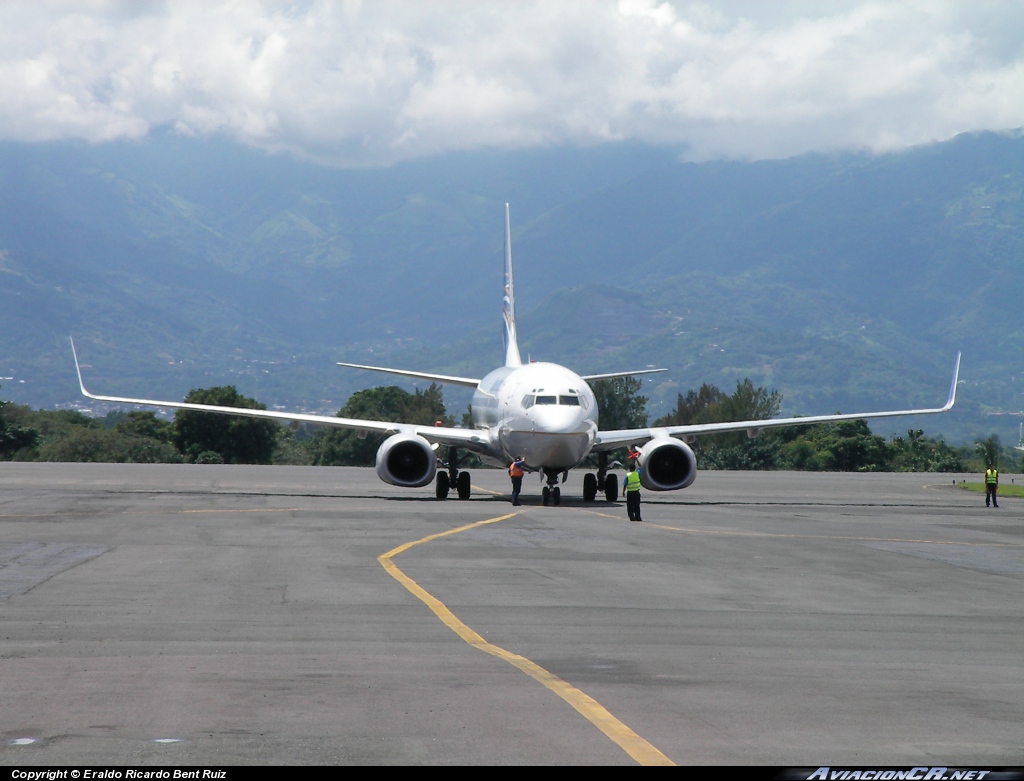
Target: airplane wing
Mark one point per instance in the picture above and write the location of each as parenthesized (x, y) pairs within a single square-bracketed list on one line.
[(444, 435), (608, 440), (613, 375), (468, 382)]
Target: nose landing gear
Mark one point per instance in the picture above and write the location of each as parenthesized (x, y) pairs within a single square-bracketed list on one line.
[(551, 493), (452, 479)]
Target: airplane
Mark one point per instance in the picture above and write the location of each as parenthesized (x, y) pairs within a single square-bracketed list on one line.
[(540, 411)]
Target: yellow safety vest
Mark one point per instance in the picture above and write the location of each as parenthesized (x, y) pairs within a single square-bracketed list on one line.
[(991, 476), (632, 482)]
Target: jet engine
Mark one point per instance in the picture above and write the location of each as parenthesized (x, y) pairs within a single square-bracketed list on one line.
[(406, 460), (666, 464)]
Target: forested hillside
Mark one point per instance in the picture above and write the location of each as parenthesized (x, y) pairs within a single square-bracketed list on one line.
[(845, 282)]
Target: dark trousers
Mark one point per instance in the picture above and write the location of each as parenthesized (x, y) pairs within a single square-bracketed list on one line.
[(517, 486), (633, 505), (990, 493)]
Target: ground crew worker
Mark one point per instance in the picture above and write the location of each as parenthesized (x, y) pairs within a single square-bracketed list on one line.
[(515, 472), (631, 487), (991, 485)]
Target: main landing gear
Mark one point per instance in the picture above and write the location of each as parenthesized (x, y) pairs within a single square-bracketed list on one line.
[(602, 481), (452, 479)]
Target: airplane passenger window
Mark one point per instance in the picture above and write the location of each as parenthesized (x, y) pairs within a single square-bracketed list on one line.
[(572, 401), (547, 399)]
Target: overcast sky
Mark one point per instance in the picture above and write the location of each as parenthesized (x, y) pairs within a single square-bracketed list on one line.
[(371, 83)]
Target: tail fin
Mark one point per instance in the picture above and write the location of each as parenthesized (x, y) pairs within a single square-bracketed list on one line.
[(509, 302)]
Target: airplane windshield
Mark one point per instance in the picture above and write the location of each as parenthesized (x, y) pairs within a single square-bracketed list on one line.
[(568, 401)]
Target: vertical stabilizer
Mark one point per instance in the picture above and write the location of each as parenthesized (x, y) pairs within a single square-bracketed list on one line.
[(509, 302)]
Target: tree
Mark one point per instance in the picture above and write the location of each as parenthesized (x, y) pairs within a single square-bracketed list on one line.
[(692, 407), (847, 446), (855, 449), (337, 447), (989, 449), (145, 424), (87, 444), (918, 453), (735, 450), (238, 440), (619, 403), (14, 437)]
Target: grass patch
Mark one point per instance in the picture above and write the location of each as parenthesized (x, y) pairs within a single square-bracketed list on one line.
[(1004, 490)]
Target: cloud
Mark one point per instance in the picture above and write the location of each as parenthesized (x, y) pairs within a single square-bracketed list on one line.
[(371, 83)]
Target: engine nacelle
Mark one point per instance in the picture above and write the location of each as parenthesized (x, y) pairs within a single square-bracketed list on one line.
[(667, 464), (407, 460)]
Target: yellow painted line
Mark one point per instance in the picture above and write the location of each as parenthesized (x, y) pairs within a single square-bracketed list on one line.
[(489, 491), (638, 748), (602, 515)]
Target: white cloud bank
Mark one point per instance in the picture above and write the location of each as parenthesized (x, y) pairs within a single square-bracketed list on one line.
[(353, 83)]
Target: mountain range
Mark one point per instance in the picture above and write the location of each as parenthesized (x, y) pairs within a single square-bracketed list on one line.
[(847, 282)]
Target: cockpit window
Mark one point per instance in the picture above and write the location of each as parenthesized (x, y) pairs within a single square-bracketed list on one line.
[(566, 400)]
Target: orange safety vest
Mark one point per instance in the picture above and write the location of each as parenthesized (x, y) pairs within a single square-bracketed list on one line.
[(514, 470)]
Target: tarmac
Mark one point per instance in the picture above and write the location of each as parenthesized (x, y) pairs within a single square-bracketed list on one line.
[(232, 615)]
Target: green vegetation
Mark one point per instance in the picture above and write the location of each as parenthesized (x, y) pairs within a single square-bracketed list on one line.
[(14, 437), (988, 450), (344, 447), (210, 437), (735, 450), (64, 435), (1004, 490), (619, 406), (848, 446), (197, 437), (619, 403)]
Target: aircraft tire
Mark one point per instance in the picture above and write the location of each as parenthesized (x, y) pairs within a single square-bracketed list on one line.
[(545, 495), (611, 488), (442, 486), (556, 496), (463, 485), (589, 487)]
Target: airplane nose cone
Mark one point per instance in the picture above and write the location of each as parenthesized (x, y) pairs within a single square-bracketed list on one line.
[(558, 436), (559, 419)]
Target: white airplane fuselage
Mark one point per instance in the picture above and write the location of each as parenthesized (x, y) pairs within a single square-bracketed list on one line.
[(540, 411)]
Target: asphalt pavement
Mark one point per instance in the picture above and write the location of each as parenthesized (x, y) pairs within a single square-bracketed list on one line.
[(200, 615)]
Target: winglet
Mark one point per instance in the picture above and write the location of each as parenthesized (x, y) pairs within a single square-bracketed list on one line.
[(78, 369), (952, 385), (512, 357)]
